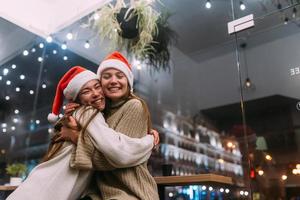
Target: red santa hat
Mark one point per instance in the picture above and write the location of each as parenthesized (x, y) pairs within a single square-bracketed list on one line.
[(117, 61), (69, 87)]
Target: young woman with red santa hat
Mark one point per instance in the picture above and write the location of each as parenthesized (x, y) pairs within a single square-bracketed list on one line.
[(55, 178), (128, 114)]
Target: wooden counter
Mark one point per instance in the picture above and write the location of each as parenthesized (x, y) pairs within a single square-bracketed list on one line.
[(7, 188), (199, 179)]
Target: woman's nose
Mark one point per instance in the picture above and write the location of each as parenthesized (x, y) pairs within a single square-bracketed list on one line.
[(96, 93), (113, 79)]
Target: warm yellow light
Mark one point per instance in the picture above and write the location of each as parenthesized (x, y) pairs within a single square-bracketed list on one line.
[(295, 171), (229, 144), (298, 166), (284, 177), (268, 157), (221, 160), (261, 172)]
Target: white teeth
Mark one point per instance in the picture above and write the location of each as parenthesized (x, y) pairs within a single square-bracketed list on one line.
[(98, 101)]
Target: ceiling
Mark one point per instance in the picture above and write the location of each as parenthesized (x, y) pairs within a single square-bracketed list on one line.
[(45, 18), (199, 30)]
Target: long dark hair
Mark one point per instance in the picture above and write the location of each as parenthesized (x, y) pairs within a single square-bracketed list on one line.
[(54, 147)]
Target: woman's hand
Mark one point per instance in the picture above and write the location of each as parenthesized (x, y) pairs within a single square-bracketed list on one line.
[(156, 137), (71, 123), (69, 131), (70, 108), (67, 134)]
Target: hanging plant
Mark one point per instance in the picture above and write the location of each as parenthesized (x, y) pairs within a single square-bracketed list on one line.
[(138, 29), (158, 55)]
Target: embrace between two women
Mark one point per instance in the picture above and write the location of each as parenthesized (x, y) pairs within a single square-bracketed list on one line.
[(90, 158)]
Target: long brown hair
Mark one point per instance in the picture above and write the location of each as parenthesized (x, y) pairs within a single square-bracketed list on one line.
[(54, 147), (146, 109)]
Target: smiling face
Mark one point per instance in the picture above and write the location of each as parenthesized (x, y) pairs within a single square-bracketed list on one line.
[(91, 94), (114, 84)]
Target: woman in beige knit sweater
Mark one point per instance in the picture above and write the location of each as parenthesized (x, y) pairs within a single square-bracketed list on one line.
[(128, 114)]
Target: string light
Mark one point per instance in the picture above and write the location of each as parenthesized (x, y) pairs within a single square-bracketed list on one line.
[(4, 130), (22, 77), (284, 177), (16, 111), (65, 58), (294, 12), (7, 98), (37, 121), (25, 53), (13, 66), (5, 71), (64, 46), (44, 85), (96, 16), (15, 120), (49, 39), (0, 78), (41, 45), (33, 50), (242, 6), (208, 4), (18, 89), (3, 125), (268, 157), (8, 82), (13, 128), (222, 190), (69, 36), (227, 190), (40, 59), (31, 92), (286, 20), (87, 44), (54, 51)]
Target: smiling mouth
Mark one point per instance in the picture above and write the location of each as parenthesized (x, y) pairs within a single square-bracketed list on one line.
[(113, 89), (98, 101)]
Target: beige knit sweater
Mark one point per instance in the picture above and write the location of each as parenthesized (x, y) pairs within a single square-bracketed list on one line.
[(134, 183)]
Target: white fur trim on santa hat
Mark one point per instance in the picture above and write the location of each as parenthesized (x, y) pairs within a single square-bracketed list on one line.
[(117, 64), (75, 85), (52, 118)]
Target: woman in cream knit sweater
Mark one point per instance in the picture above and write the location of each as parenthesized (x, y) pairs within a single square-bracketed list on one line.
[(128, 114)]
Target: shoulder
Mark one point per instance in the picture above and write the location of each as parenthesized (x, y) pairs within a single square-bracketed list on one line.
[(133, 104), (84, 112)]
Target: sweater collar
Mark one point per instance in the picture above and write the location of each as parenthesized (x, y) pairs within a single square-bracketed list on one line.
[(117, 104)]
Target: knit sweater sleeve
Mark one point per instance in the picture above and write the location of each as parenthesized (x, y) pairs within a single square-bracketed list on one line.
[(119, 149)]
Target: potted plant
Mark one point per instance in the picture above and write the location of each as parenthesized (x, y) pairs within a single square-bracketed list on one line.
[(138, 29), (16, 171)]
